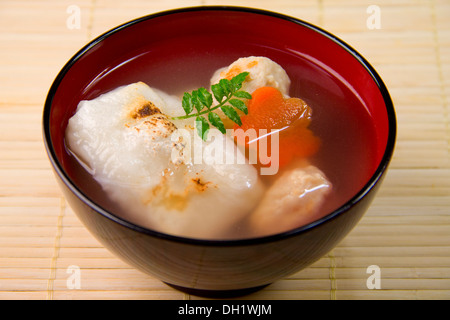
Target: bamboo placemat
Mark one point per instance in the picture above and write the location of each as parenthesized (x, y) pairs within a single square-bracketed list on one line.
[(405, 233)]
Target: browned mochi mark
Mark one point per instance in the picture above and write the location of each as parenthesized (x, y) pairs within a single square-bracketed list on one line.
[(176, 200), (148, 116), (147, 108), (200, 185)]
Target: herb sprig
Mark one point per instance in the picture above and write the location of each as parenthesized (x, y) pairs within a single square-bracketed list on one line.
[(228, 95)]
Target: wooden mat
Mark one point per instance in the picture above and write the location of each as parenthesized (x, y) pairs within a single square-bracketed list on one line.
[(406, 232)]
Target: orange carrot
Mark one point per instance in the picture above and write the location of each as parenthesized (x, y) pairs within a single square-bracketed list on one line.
[(268, 109)]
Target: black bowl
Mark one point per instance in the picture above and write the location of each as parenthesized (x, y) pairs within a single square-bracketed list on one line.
[(210, 267)]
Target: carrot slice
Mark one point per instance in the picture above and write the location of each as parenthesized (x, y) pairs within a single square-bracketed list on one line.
[(268, 109)]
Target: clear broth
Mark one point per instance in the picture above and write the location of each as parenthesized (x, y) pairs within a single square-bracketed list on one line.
[(347, 155)]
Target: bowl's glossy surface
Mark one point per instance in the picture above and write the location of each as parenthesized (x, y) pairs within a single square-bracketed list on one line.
[(122, 56)]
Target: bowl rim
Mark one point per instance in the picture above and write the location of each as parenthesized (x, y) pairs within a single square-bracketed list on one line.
[(375, 177)]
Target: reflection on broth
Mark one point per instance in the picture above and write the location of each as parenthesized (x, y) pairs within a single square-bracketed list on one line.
[(275, 163)]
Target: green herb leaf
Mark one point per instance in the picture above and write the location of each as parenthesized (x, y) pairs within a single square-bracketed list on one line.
[(239, 104), (232, 114), (204, 97), (226, 86), (186, 103), (202, 127), (242, 94), (196, 101), (236, 81), (218, 92), (223, 92), (216, 121)]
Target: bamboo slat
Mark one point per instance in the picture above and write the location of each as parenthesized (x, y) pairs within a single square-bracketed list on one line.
[(406, 231)]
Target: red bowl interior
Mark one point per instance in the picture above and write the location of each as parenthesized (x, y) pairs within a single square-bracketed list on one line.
[(149, 48)]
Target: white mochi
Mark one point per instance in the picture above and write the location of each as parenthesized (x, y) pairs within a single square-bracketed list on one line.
[(125, 138)]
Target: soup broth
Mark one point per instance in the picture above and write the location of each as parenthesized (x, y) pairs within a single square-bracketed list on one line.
[(340, 119)]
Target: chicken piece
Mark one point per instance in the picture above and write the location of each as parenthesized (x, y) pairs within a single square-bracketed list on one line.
[(293, 200), (263, 73)]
